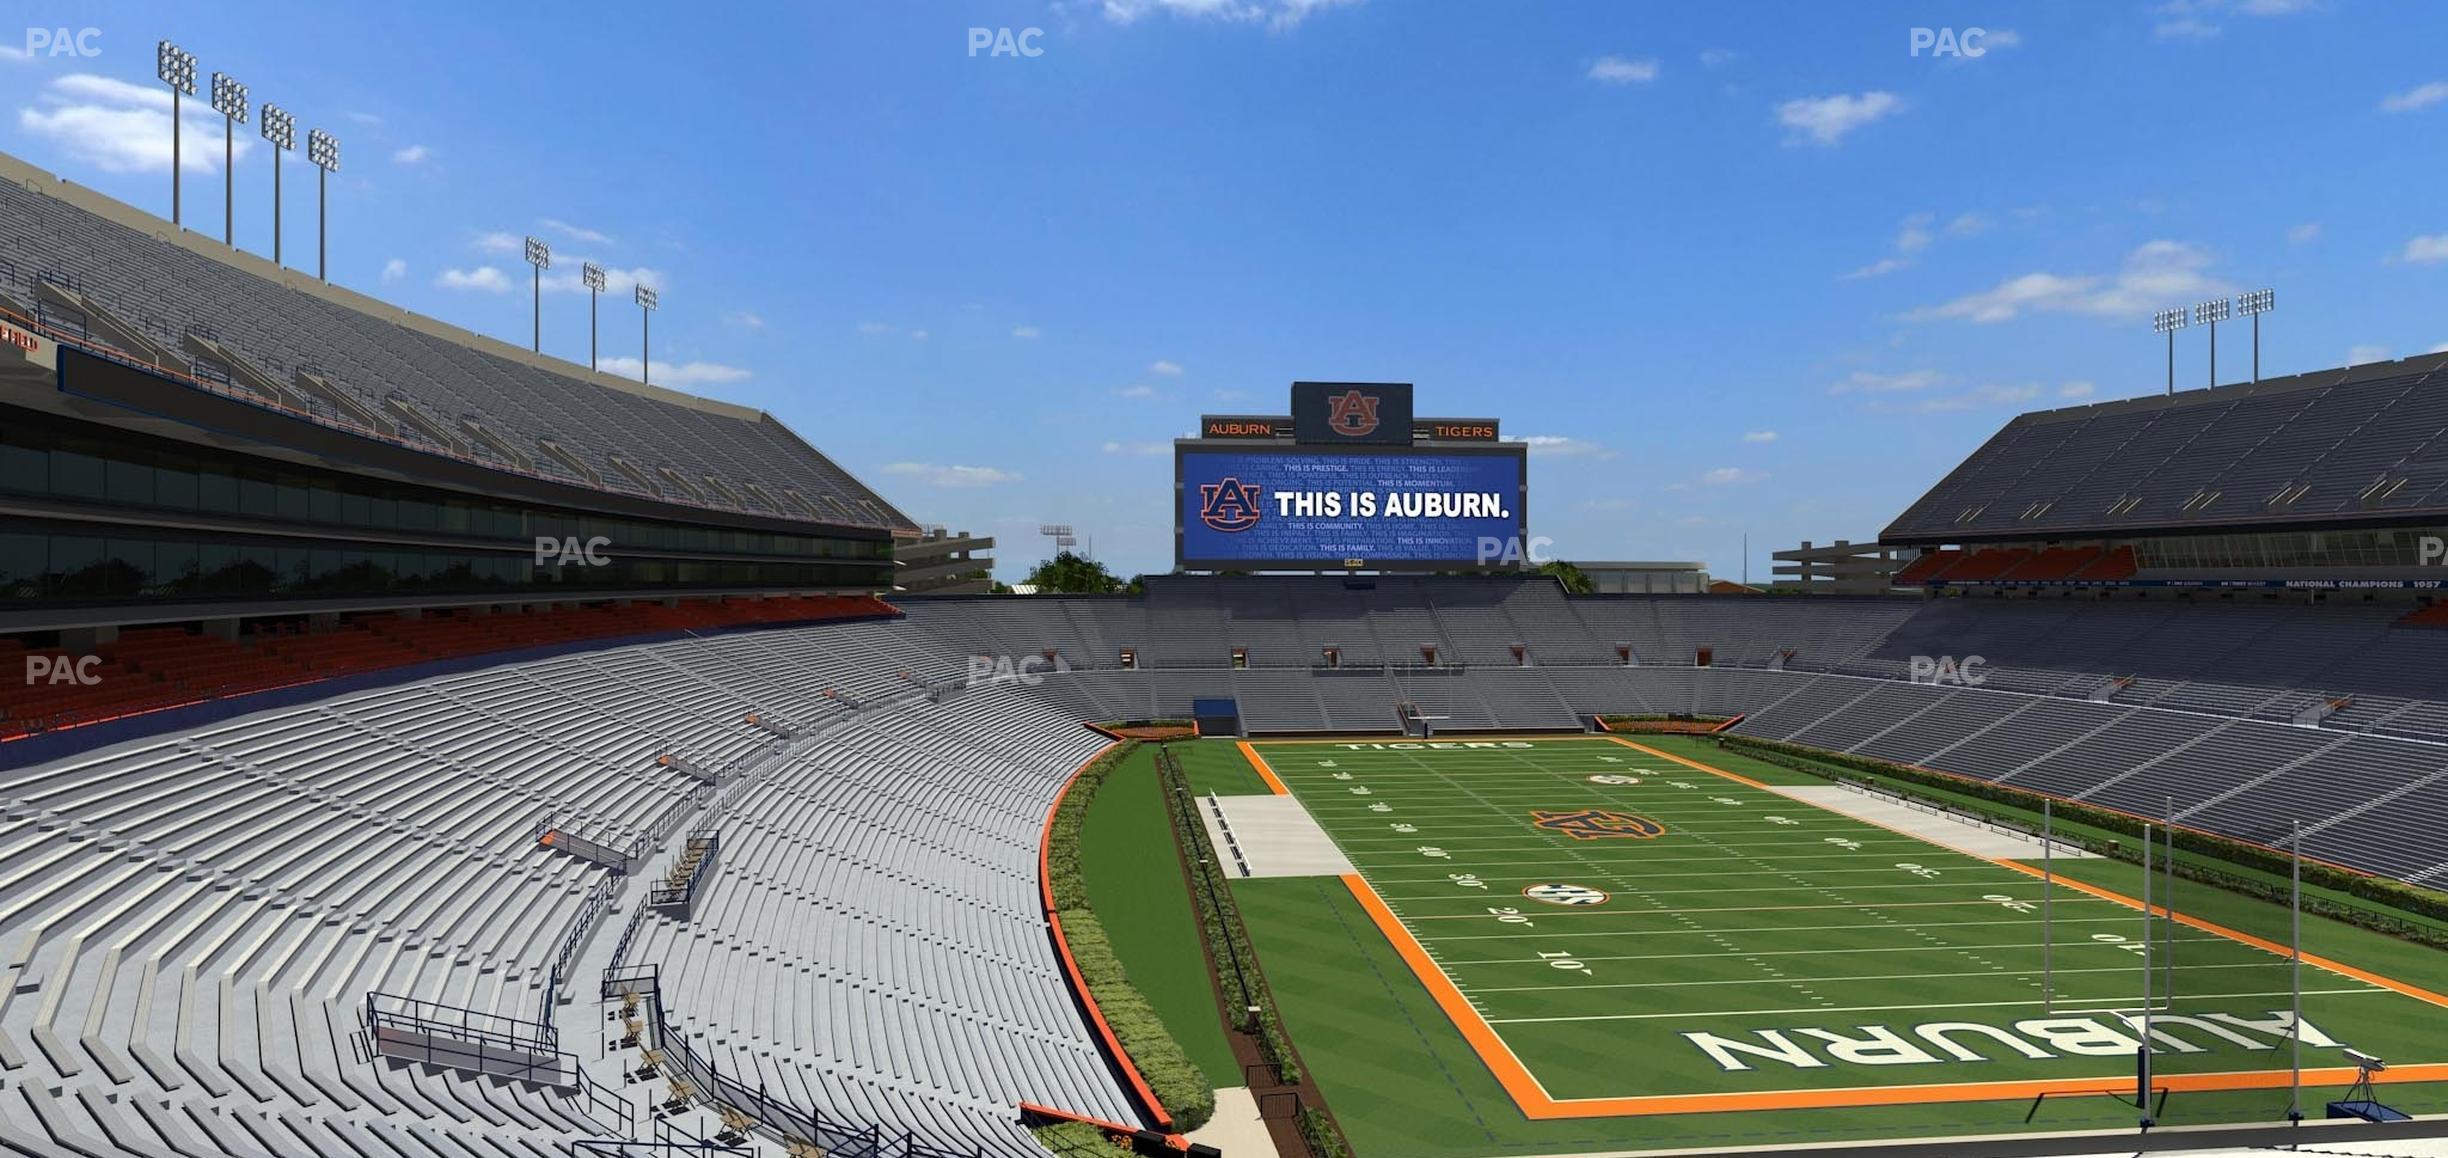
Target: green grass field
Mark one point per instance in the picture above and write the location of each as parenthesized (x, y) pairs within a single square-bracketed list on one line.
[(1651, 955)]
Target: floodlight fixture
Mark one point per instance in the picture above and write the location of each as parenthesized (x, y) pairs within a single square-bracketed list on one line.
[(2253, 305), (2168, 322), (2211, 313), (647, 300), (593, 276), (229, 98), (177, 68), (279, 129), (323, 149), (539, 255)]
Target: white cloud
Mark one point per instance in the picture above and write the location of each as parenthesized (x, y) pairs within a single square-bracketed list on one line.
[(1825, 121), (13, 54), (1561, 446), (1136, 392), (1617, 70), (393, 270), (2366, 353), (1027, 333), (411, 155), (1880, 268), (746, 320), (2154, 274), (497, 241), (874, 329), (2305, 233), (2421, 96), (1866, 382), (1168, 369), (575, 232), (1277, 15), (2002, 38), (364, 118), (1757, 436), (2076, 390), (918, 335), (678, 376), (484, 277), (568, 276), (1712, 57), (1969, 224), (2442, 348), (1731, 476), (1150, 448), (952, 476), (119, 127), (2185, 28), (2425, 250), (1911, 239)]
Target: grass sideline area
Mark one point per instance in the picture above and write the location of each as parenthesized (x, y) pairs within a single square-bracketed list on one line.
[(1595, 1002), (1135, 888)]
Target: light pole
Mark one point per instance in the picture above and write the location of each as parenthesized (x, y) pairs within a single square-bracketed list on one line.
[(279, 128), (592, 274), (2211, 313), (229, 98), (323, 149), (2168, 322), (539, 255), (2253, 305), (176, 68), (647, 301)]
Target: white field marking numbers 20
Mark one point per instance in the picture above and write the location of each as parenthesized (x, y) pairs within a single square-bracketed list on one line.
[(1510, 916)]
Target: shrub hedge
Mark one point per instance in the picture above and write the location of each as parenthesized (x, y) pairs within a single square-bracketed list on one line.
[(1220, 918), (1175, 1080), (2392, 897)]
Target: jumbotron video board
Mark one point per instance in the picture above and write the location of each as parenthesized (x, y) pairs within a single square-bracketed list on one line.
[(1350, 480)]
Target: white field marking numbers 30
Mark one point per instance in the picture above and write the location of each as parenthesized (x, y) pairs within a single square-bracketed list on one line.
[(1921, 871)]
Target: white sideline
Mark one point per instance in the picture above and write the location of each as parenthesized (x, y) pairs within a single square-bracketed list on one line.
[(1937, 828)]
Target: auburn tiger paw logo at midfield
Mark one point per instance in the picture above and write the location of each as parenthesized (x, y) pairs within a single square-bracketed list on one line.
[(1597, 824), (1228, 504)]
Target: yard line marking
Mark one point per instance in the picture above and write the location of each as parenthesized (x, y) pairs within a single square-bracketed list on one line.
[(1779, 952), (1441, 938), (2135, 967), (1697, 1013), (1597, 912), (1716, 892)]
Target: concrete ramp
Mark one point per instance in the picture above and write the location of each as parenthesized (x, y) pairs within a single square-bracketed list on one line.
[(1270, 836)]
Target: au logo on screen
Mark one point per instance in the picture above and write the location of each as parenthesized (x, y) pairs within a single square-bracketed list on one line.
[(1353, 414), (1230, 505)]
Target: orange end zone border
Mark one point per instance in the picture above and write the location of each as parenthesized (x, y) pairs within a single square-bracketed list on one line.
[(1535, 1103)]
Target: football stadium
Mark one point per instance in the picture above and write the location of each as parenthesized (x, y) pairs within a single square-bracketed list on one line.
[(417, 745)]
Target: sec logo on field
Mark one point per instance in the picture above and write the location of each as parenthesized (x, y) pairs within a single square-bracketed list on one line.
[(1613, 778), (1565, 894)]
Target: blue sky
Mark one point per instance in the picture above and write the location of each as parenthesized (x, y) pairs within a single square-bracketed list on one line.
[(1734, 268)]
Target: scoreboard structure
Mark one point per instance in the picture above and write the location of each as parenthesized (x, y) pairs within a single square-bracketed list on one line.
[(1350, 480)]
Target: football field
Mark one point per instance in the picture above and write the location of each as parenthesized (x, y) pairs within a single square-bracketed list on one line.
[(1617, 929)]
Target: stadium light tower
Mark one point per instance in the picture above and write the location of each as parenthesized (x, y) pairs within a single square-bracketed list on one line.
[(2168, 322), (279, 128), (539, 255), (2253, 305), (592, 275), (647, 300), (176, 68), (323, 149), (2211, 313), (229, 98)]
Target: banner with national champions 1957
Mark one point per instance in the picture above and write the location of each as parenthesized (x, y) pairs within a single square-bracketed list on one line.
[(1311, 508)]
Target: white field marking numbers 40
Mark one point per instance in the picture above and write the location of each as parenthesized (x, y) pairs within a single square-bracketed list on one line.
[(1565, 962), (1510, 917), (1921, 871), (2010, 903), (2134, 947)]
